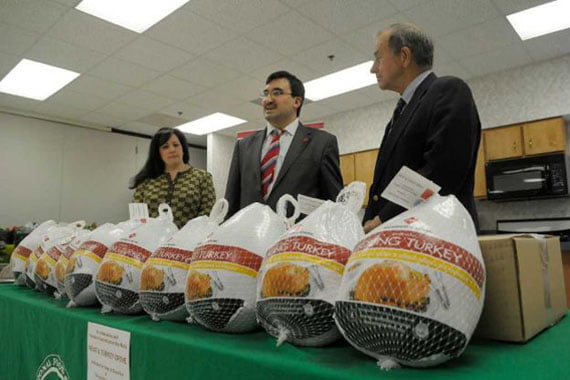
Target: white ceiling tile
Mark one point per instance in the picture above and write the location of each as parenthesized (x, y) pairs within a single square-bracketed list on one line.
[(375, 95), (189, 111), (18, 102), (364, 39), (123, 111), (511, 6), (402, 5), (295, 4), (145, 99), (341, 16), (58, 110), (243, 54), (441, 17), (190, 32), (244, 88), (301, 71), (14, 40), (247, 111), (173, 88), (205, 72), (102, 119), (487, 36), (549, 46), (290, 34), (68, 3), (91, 32), (137, 127), (123, 72), (96, 86), (65, 55), (7, 63), (452, 68), (78, 100), (155, 55), (347, 101), (35, 15), (315, 112), (317, 58), (497, 60), (215, 98), (238, 15)]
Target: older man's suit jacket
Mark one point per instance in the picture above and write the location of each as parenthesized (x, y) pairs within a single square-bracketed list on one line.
[(437, 135), (311, 167)]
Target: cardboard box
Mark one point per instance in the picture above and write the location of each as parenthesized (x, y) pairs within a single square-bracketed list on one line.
[(525, 286)]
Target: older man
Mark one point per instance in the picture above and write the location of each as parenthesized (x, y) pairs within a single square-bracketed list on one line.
[(435, 129)]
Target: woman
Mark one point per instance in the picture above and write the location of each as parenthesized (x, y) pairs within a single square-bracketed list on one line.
[(167, 177)]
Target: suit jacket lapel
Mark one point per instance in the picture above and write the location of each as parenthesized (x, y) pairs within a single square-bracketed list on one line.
[(404, 118), (255, 156), (298, 144)]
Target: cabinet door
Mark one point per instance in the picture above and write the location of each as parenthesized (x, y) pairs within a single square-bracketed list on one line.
[(347, 168), (480, 189), (364, 163), (544, 136), (503, 143)]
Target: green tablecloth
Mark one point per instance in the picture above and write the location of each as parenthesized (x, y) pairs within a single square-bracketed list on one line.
[(32, 326)]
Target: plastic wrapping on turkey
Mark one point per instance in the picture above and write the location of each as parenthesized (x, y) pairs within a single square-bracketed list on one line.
[(163, 276), (61, 264), (22, 253), (117, 283), (300, 276), (413, 289), (220, 287)]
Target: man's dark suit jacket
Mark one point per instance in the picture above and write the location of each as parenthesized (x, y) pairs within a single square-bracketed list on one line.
[(437, 135), (311, 167)]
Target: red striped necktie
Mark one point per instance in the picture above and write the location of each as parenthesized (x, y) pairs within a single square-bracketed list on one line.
[(268, 163)]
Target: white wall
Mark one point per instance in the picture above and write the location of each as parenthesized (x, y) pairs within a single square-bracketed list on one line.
[(219, 152), (55, 171)]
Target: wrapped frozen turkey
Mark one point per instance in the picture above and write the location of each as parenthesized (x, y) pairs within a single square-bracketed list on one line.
[(413, 288), (42, 260), (61, 265), (164, 274), (84, 262), (220, 287), (21, 255), (117, 284), (300, 276)]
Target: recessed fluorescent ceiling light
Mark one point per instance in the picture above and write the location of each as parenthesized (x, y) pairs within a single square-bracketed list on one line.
[(35, 80), (136, 15), (210, 123), (342, 81), (543, 19)]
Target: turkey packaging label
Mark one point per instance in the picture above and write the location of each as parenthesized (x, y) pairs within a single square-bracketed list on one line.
[(220, 288), (301, 274), (413, 289), (63, 261), (84, 262), (117, 284), (164, 273), (22, 253), (43, 260)]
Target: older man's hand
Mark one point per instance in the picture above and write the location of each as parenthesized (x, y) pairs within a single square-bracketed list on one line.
[(371, 224)]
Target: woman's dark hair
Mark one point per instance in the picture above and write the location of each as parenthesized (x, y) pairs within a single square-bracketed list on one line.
[(154, 165), (297, 88)]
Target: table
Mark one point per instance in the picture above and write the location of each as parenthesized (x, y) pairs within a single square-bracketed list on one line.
[(33, 326)]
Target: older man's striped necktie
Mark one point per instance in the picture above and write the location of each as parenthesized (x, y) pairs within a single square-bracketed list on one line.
[(268, 163)]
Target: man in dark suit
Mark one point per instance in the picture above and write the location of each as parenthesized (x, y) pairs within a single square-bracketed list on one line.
[(286, 157), (435, 129)]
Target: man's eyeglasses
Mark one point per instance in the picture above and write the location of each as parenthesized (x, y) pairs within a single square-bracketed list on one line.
[(275, 93)]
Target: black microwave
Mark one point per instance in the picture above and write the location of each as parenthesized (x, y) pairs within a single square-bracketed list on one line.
[(527, 178)]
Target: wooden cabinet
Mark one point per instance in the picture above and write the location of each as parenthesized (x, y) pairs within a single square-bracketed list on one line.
[(347, 168), (480, 189), (544, 136), (505, 142), (359, 167)]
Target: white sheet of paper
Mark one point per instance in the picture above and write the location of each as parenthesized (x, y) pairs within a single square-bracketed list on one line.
[(107, 353), (409, 188)]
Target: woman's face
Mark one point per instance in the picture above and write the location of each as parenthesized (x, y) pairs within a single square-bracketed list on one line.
[(171, 152)]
